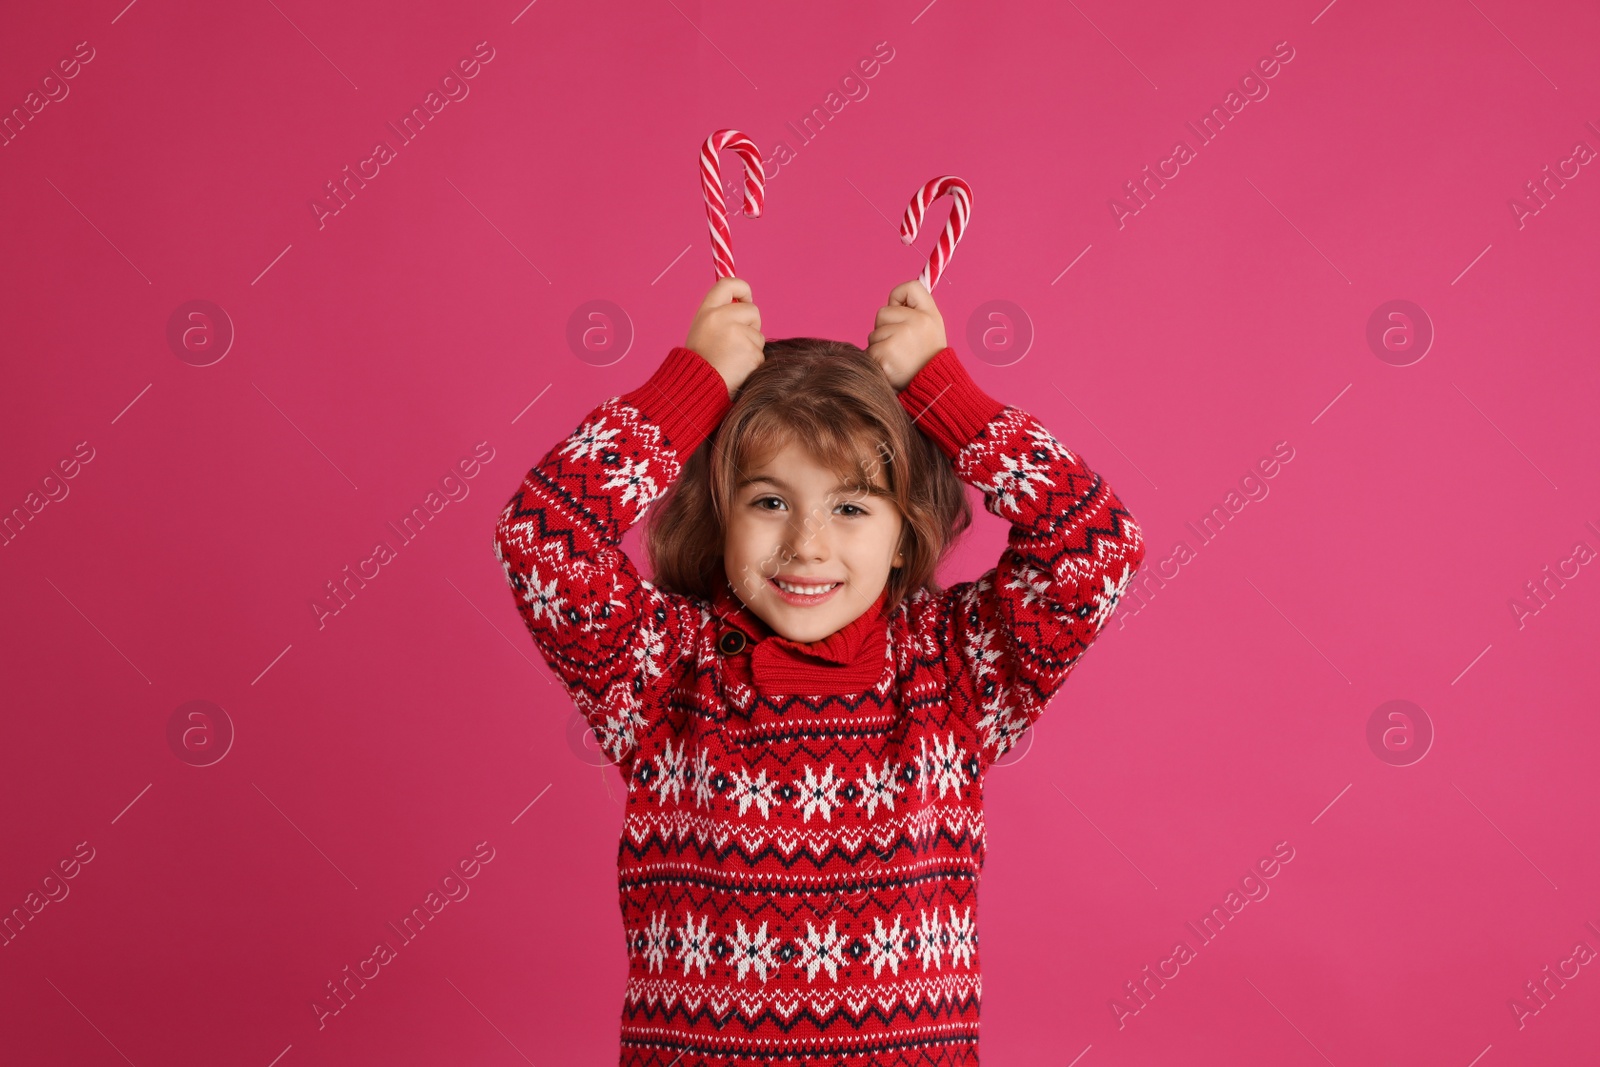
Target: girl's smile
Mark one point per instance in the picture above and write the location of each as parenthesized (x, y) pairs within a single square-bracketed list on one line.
[(805, 594)]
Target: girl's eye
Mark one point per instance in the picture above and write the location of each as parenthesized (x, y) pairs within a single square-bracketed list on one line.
[(762, 503)]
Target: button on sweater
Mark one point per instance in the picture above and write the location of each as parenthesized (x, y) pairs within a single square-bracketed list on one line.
[(800, 855)]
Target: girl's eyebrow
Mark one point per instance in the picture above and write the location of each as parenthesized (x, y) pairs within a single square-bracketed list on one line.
[(871, 490)]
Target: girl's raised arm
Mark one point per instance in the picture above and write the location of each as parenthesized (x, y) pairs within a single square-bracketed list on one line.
[(1010, 638), (616, 642)]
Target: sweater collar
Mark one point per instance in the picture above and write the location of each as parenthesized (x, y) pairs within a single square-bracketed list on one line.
[(848, 660)]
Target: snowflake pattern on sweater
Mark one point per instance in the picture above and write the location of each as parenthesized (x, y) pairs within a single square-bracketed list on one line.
[(798, 866)]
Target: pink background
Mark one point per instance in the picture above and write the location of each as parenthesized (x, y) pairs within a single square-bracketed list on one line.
[(1226, 714)]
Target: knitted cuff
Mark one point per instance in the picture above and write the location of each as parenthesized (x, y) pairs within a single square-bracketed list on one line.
[(685, 396), (946, 404)]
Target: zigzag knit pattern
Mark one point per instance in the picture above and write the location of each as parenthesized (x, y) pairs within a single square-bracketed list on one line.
[(798, 873)]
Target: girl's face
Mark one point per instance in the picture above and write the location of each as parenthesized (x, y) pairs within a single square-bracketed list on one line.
[(791, 522)]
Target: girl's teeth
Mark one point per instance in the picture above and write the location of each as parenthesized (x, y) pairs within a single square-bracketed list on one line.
[(805, 590)]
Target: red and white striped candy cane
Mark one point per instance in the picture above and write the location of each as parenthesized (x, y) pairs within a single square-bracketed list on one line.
[(755, 180), (961, 193)]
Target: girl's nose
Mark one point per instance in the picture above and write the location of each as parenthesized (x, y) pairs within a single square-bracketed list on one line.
[(809, 539)]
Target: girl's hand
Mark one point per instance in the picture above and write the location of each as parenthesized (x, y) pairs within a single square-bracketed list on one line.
[(910, 332), (726, 334)]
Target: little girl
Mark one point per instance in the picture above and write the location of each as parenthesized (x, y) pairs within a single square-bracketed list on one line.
[(802, 717)]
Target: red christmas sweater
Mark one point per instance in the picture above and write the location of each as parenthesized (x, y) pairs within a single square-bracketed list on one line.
[(799, 859)]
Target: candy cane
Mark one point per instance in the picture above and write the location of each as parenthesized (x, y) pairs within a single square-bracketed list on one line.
[(961, 193), (755, 180)]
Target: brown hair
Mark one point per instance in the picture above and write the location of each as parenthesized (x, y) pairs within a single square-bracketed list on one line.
[(833, 399)]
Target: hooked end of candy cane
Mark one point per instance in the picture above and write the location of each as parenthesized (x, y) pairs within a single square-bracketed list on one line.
[(905, 238)]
